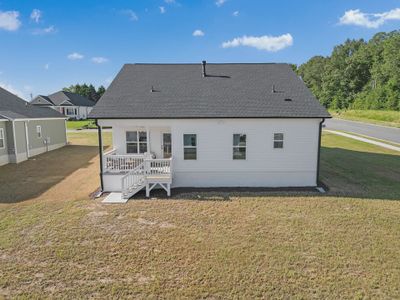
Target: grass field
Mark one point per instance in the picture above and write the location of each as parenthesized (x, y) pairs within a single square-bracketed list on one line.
[(380, 117), (342, 244), (83, 124)]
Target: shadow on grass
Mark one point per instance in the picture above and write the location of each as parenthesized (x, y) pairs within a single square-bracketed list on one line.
[(31, 178), (346, 173), (350, 173)]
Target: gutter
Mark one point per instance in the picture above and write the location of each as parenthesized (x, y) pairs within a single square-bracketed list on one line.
[(319, 148), (101, 154)]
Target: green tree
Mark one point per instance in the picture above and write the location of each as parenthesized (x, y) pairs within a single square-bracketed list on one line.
[(88, 91), (357, 74)]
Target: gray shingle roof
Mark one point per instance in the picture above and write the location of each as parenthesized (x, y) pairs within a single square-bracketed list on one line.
[(62, 96), (228, 91), (14, 107)]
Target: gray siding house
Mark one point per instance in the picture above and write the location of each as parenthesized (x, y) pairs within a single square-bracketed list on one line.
[(73, 106), (27, 130)]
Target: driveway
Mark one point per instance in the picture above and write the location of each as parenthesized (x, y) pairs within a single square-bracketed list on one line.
[(375, 131)]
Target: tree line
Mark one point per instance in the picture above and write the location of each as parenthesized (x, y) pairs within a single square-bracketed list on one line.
[(358, 74), (88, 91)]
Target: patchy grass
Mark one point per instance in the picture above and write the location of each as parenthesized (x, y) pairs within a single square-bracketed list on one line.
[(343, 244), (379, 117), (89, 138), (82, 124)]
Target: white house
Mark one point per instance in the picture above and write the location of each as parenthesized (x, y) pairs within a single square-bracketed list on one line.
[(209, 125), (72, 105)]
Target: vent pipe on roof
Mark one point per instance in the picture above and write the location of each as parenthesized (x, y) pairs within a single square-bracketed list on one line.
[(203, 67), (273, 89)]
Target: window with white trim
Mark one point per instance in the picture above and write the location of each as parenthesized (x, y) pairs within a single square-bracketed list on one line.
[(239, 146), (189, 146), (278, 140), (70, 111), (39, 131), (2, 142), (136, 142)]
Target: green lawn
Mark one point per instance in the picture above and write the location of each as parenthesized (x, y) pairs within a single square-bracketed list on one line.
[(217, 245), (380, 117), (83, 124)]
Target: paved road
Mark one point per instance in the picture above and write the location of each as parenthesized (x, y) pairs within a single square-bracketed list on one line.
[(376, 131)]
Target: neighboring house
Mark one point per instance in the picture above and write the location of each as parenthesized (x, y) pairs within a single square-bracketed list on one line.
[(214, 125), (72, 105), (27, 130)]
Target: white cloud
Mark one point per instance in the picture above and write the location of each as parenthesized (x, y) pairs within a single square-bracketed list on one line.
[(131, 14), (235, 13), (169, 1), (46, 66), (36, 15), (162, 9), (99, 60), (42, 31), (374, 20), (219, 3), (198, 32), (75, 56), (265, 42), (9, 20), (11, 89)]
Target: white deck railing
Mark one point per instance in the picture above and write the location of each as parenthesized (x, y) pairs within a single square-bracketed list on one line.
[(158, 166), (122, 163), (116, 163), (145, 173), (133, 180)]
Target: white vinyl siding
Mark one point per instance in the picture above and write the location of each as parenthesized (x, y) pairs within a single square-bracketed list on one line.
[(264, 166)]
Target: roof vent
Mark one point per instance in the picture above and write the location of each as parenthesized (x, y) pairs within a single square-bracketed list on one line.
[(288, 99), (152, 89), (203, 68), (274, 90)]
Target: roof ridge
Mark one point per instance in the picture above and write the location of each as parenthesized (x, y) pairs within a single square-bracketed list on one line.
[(208, 63)]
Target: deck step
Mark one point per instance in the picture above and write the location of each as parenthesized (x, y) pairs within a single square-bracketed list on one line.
[(115, 198), (132, 191)]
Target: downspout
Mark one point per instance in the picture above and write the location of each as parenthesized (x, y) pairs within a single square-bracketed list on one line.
[(15, 142), (101, 154), (27, 139), (319, 148), (66, 133)]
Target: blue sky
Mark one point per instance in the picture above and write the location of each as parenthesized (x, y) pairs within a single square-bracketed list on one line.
[(46, 45)]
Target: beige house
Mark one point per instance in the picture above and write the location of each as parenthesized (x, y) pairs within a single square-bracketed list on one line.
[(27, 130)]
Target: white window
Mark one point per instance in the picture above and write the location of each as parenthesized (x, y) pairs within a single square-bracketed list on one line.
[(278, 140), (239, 146), (189, 146), (39, 131), (136, 142), (2, 142), (70, 111)]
